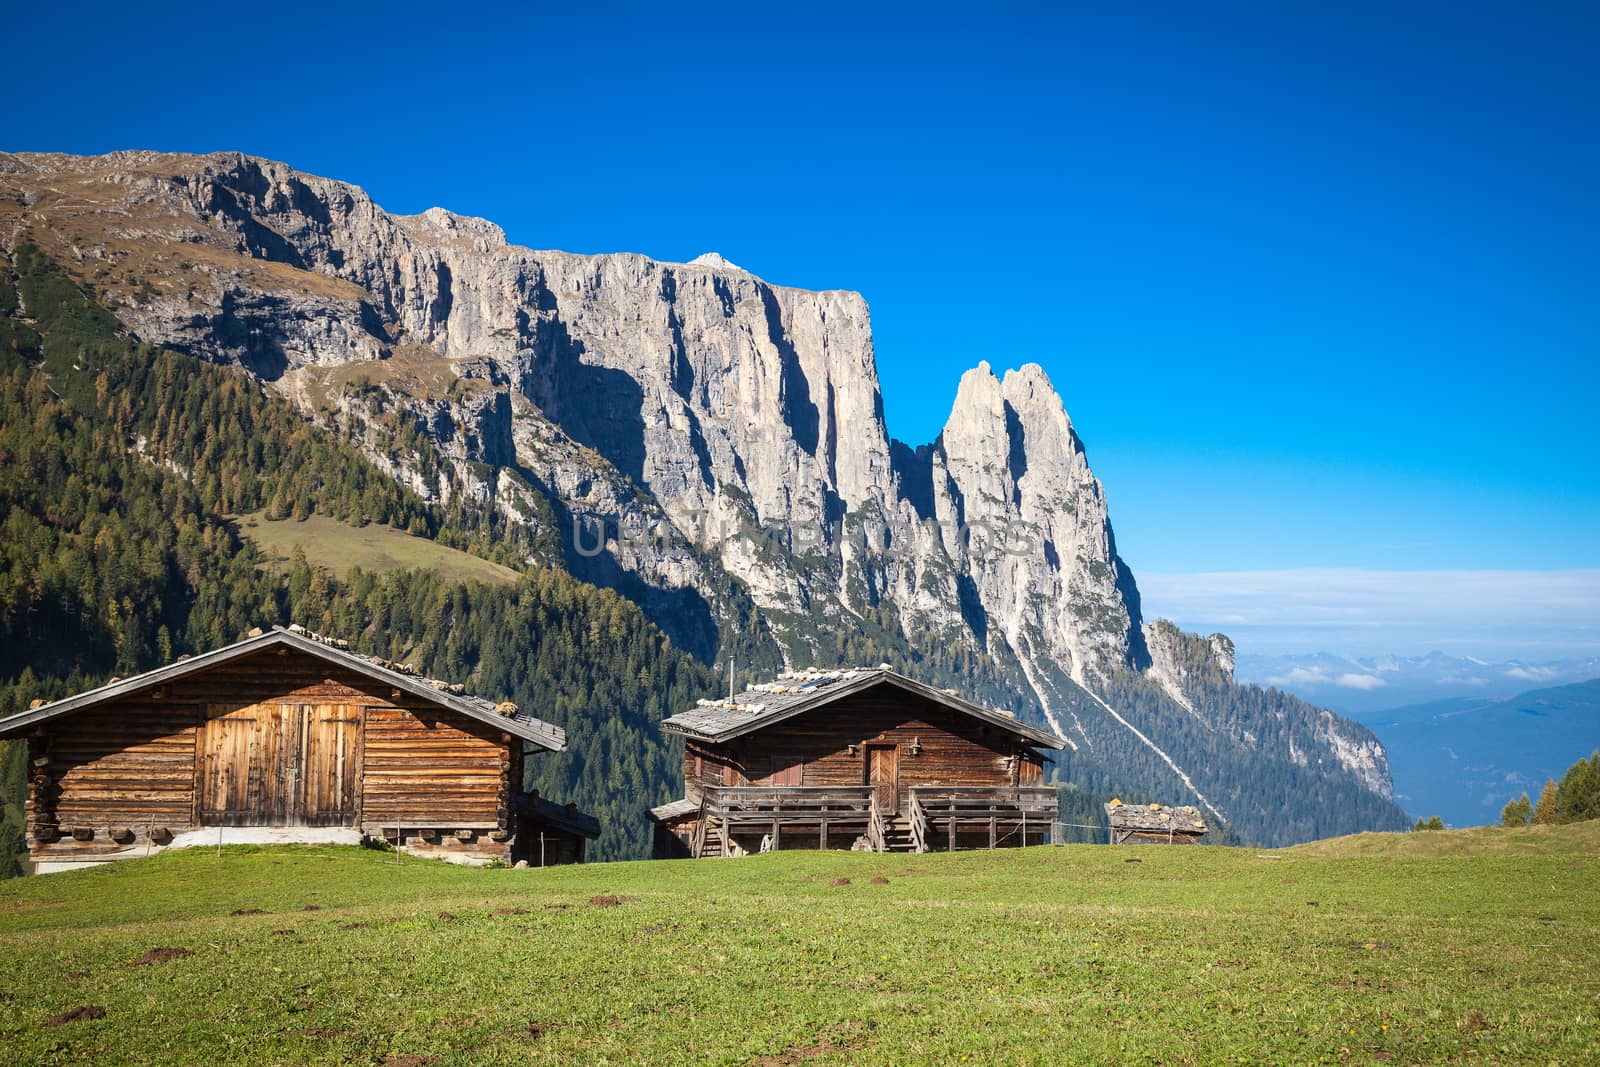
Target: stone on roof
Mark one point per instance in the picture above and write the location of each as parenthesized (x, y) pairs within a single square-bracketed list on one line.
[(1155, 817), (795, 691)]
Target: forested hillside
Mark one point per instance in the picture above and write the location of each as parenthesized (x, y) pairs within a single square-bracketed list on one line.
[(123, 470), (119, 467)]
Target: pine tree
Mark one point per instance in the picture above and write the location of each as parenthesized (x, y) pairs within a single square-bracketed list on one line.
[(1578, 795), (1548, 811), (1517, 812)]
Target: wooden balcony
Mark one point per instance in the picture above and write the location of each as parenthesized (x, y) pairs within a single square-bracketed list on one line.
[(842, 812), (734, 820), (952, 817)]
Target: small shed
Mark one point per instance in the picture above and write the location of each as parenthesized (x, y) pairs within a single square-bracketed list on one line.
[(860, 758), (1154, 824), (294, 732)]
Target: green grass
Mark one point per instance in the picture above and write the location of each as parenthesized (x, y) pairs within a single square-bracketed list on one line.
[(1393, 949), (340, 546)]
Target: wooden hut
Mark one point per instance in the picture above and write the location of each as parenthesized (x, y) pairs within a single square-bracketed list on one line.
[(1154, 824), (854, 759), (287, 730)]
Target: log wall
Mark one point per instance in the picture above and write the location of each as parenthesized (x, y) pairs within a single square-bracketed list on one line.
[(935, 747), (352, 752)]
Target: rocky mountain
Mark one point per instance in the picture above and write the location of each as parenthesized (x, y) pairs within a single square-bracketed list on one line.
[(708, 444)]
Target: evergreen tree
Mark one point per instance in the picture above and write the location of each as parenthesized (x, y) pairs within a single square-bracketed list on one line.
[(1547, 812), (1517, 812), (1578, 795)]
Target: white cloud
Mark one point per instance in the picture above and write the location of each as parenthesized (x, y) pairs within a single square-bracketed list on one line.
[(1491, 613), (1359, 681), (1533, 674)]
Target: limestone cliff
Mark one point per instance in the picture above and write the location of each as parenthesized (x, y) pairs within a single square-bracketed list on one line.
[(710, 444)]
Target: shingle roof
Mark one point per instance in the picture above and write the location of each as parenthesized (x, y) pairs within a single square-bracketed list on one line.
[(507, 717), (559, 816), (797, 691), (674, 810), (1155, 817)]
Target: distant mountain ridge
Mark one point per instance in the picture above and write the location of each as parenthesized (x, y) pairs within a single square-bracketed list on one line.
[(706, 444), (1361, 685), (1463, 758)]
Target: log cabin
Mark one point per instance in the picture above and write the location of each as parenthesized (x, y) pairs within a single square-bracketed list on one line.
[(864, 759), (292, 731), (1154, 824)]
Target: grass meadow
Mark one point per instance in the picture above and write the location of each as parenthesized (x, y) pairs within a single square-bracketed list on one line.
[(1475, 946)]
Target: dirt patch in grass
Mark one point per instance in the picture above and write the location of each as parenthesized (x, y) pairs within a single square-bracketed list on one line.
[(283, 933), (509, 911), (605, 900), (161, 955), (248, 911), (355, 926), (844, 1037), (1474, 1023), (81, 1014), (312, 907), (536, 1030), (837, 882), (879, 879), (447, 916)]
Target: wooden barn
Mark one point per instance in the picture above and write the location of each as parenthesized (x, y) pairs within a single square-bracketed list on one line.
[(864, 759), (1154, 824), (293, 731)]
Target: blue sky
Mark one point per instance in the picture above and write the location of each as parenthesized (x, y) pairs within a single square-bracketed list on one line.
[(1317, 285)]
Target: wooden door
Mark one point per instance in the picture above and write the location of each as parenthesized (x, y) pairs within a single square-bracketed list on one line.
[(332, 745), (279, 764), (227, 762), (883, 775)]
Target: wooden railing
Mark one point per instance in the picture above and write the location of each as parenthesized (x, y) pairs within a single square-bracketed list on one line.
[(877, 833), (919, 825), (1005, 811), (769, 809)]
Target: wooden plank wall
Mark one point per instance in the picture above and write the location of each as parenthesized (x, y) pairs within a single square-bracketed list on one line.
[(132, 763), (954, 749), (424, 768)]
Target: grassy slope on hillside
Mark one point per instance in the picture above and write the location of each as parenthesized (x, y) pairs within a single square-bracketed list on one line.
[(1058, 955), (340, 546)]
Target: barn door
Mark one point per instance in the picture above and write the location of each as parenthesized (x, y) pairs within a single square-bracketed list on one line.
[(279, 765), (883, 775), (228, 766), (332, 737)]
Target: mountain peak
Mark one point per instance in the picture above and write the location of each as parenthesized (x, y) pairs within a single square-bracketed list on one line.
[(716, 261)]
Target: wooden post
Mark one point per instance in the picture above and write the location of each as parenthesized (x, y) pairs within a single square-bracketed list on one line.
[(952, 847), (823, 844)]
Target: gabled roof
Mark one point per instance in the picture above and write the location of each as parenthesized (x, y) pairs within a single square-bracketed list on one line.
[(1155, 818), (557, 816), (797, 692), (451, 697)]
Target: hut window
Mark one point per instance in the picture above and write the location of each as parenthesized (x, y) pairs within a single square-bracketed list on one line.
[(787, 771)]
